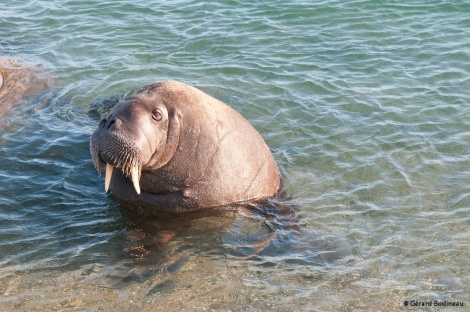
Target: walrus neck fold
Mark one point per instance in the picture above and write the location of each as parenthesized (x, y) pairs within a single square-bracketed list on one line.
[(161, 158)]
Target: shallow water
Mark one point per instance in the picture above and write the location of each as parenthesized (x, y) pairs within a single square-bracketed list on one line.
[(364, 105)]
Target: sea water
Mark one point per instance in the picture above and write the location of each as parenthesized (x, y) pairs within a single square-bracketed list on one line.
[(364, 105)]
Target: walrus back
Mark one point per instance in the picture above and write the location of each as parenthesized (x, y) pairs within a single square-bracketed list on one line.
[(234, 164)]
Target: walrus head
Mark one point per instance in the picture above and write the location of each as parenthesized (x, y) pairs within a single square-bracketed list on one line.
[(139, 134)]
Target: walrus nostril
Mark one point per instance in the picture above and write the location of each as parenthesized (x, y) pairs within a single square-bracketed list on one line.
[(102, 123), (111, 123)]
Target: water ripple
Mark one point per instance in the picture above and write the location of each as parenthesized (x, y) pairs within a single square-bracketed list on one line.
[(364, 105)]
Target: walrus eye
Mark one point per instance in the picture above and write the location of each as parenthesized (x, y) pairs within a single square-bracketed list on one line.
[(157, 114)]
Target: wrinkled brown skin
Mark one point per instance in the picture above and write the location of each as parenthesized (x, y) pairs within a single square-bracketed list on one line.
[(18, 80), (201, 154)]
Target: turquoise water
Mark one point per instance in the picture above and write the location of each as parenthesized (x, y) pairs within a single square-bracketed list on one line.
[(364, 105)]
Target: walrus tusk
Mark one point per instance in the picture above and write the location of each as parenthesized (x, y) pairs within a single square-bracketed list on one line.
[(135, 178), (1, 80), (109, 173)]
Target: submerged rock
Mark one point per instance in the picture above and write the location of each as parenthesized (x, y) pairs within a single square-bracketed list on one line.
[(18, 81)]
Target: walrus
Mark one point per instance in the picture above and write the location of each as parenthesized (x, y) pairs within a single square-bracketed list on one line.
[(173, 147), (19, 80)]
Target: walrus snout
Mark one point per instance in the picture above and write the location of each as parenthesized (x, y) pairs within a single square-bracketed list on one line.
[(109, 146), (110, 122)]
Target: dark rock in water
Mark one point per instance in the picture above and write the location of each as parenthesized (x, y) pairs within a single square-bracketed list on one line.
[(101, 107)]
